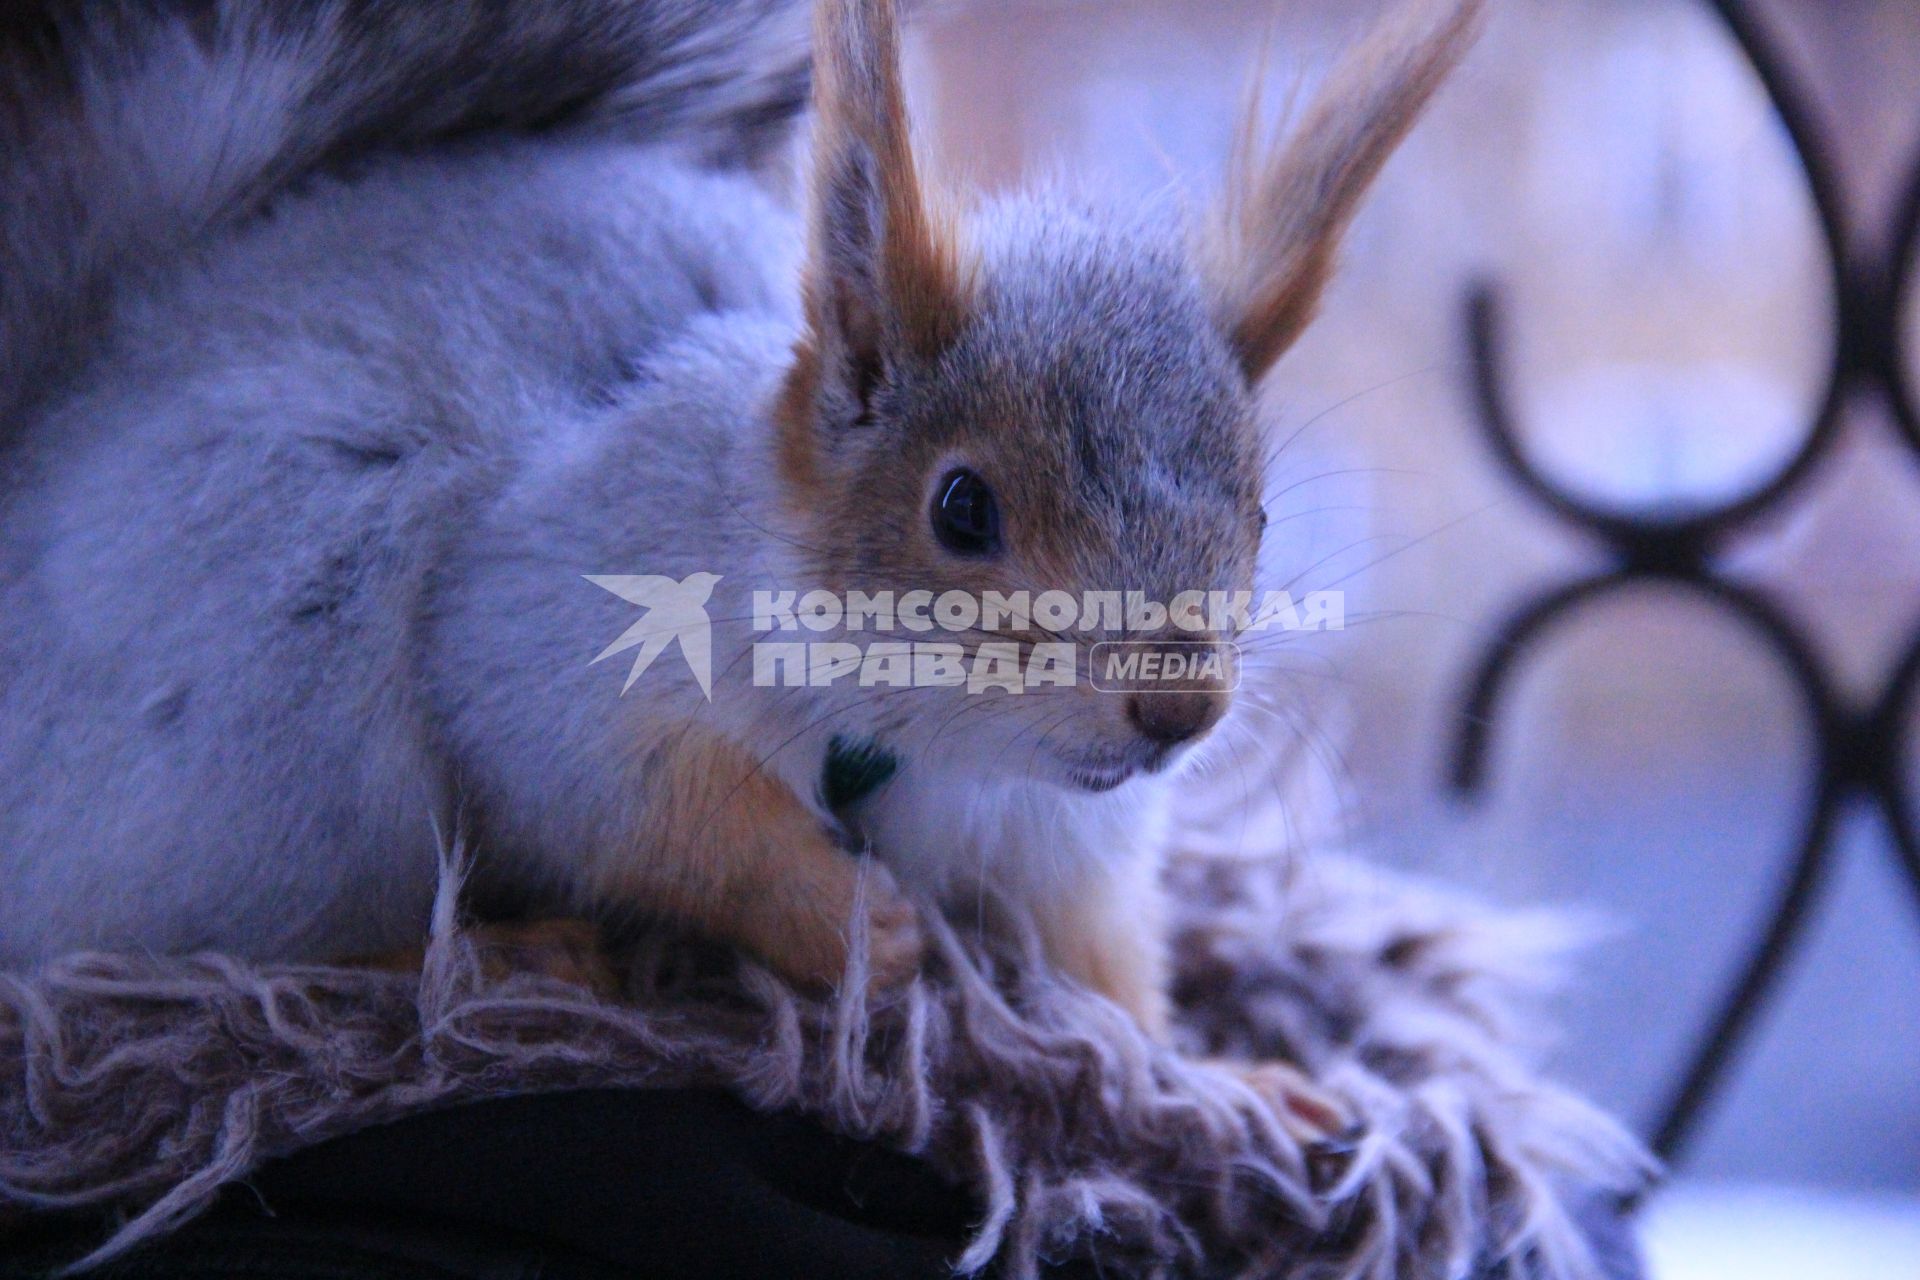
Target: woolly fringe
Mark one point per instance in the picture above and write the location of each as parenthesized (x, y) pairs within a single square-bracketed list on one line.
[(143, 1085)]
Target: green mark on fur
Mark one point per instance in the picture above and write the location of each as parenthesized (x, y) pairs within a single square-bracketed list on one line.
[(855, 769)]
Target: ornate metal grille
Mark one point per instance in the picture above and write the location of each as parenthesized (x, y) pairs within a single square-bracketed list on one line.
[(1860, 744)]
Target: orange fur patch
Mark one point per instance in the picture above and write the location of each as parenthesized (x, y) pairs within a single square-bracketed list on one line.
[(1107, 932), (731, 851), (858, 101), (1286, 209), (796, 433)]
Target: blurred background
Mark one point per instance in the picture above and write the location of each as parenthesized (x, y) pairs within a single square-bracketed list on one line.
[(1615, 168)]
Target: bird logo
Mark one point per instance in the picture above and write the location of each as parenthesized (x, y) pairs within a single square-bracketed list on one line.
[(675, 610)]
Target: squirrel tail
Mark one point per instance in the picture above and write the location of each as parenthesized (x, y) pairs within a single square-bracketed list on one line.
[(130, 129)]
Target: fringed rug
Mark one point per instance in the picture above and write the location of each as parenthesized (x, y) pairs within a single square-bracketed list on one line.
[(140, 1086)]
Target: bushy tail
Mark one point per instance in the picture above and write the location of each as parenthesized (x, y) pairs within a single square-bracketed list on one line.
[(129, 129)]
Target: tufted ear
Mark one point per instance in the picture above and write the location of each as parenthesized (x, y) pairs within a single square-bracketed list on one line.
[(884, 276), (1287, 206)]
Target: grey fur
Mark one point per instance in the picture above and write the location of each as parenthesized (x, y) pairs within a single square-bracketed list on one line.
[(133, 130), (250, 399), (316, 453)]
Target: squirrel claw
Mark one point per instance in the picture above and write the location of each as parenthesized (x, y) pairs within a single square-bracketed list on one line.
[(896, 947), (1311, 1115)]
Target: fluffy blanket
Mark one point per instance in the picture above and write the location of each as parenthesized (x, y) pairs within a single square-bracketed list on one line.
[(140, 1086)]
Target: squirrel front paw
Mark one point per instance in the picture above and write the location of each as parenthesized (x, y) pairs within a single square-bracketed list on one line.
[(896, 947), (1311, 1115), (558, 949), (869, 907), (803, 924)]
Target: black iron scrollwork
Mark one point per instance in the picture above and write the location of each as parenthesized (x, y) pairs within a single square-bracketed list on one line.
[(1859, 745)]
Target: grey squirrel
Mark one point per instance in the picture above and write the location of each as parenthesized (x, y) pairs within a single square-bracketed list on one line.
[(343, 340)]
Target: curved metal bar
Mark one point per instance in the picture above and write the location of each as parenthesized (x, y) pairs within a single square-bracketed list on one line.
[(1797, 118), (1860, 754), (1902, 248), (1649, 538), (1516, 636), (1833, 729), (1686, 535), (1891, 727), (1680, 1116), (1843, 765), (1828, 718), (1632, 536)]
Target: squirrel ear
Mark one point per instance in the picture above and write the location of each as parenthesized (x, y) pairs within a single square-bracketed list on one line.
[(884, 275), (1278, 231)]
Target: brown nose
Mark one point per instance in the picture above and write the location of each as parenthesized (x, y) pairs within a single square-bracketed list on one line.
[(1175, 717)]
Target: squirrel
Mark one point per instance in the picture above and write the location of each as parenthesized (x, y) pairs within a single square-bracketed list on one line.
[(368, 367)]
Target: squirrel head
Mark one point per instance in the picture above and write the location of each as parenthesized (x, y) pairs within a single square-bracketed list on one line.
[(1037, 396)]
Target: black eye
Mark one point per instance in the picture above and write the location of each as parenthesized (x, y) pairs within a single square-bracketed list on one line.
[(966, 518)]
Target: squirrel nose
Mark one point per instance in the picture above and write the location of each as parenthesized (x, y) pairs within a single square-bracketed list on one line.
[(1171, 718)]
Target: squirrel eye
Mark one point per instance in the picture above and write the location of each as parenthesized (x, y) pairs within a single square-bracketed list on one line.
[(966, 518)]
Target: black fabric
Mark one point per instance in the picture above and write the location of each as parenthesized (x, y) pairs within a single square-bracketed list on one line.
[(577, 1186), (593, 1185)]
